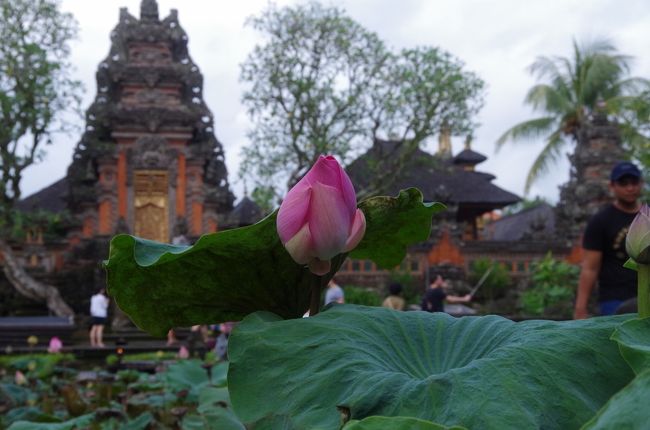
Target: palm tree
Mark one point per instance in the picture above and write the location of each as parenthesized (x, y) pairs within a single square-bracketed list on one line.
[(595, 77)]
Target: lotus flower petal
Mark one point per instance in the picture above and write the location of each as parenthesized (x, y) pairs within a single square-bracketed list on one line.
[(299, 246), (357, 231), (293, 212), (637, 242), (329, 221), (318, 218)]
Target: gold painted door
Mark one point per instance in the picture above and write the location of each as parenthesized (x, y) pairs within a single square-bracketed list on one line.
[(151, 204)]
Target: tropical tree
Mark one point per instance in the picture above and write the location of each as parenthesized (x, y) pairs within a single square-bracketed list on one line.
[(595, 77), (36, 90), (322, 83)]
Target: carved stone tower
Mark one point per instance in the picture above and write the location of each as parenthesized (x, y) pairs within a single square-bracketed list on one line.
[(148, 162), (599, 148)]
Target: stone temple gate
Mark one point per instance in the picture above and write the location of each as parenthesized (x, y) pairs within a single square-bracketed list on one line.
[(149, 162)]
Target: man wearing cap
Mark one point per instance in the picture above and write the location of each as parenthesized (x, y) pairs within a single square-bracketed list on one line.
[(603, 245)]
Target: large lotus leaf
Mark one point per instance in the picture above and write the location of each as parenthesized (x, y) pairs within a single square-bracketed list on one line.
[(187, 375), (396, 423), (227, 275), (628, 409), (633, 339), (475, 372), (392, 225)]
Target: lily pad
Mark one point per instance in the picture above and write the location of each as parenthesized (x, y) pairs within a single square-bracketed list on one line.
[(633, 339), (628, 409), (227, 275), (394, 223), (476, 372), (396, 423)]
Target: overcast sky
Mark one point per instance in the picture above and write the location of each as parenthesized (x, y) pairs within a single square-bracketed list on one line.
[(495, 39)]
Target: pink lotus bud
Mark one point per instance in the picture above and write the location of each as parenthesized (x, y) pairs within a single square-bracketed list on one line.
[(55, 345), (20, 378), (183, 352), (637, 242), (318, 218)]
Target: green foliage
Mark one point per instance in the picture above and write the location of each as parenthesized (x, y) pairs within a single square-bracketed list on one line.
[(225, 286), (627, 409), (323, 84), (145, 401), (496, 282), (392, 224), (37, 365), (36, 88), (361, 296), (633, 338), (396, 423), (573, 91), (50, 226), (373, 361), (552, 288)]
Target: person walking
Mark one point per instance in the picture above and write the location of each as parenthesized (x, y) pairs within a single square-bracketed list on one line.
[(603, 245), (99, 315)]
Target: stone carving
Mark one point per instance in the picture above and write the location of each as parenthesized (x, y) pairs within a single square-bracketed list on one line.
[(151, 152), (599, 148)]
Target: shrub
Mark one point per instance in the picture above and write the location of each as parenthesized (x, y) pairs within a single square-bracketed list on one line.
[(496, 282), (552, 288), (361, 296)]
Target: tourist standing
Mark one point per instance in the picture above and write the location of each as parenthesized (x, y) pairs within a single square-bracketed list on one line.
[(99, 315), (334, 293), (435, 296), (603, 245)]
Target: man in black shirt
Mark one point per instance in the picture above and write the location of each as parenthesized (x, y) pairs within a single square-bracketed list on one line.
[(604, 245), (435, 296)]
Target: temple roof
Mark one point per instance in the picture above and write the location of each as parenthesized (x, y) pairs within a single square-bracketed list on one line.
[(470, 157), (537, 222), (246, 212), (438, 178), (51, 198)]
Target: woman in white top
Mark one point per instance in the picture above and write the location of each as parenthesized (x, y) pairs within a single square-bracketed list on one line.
[(99, 313)]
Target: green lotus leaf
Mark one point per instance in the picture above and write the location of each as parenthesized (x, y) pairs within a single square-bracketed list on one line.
[(628, 409), (633, 339), (227, 275), (475, 372), (392, 224), (396, 423)]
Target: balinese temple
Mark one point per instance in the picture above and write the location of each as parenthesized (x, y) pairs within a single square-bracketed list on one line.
[(471, 228), (148, 162)]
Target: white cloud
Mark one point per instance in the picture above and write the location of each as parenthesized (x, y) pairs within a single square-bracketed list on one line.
[(496, 39)]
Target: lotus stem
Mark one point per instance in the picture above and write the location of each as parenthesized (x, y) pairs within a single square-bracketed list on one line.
[(643, 280), (314, 305)]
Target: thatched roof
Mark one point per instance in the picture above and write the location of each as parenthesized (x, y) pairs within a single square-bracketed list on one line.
[(537, 222), (51, 198), (246, 212), (469, 157), (437, 177)]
